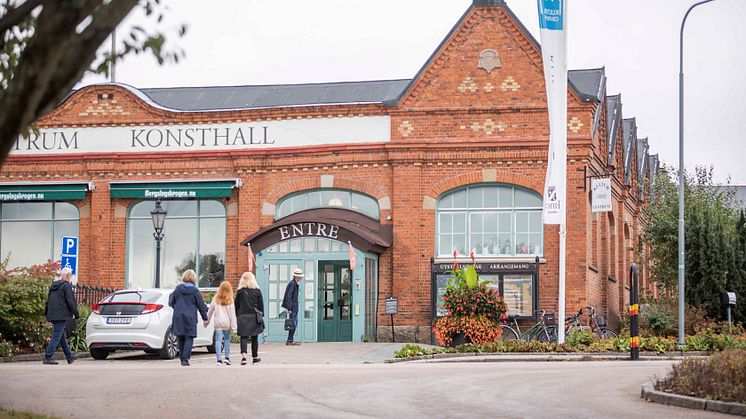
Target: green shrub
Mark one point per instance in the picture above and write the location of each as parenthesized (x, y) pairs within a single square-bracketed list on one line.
[(23, 294), (6, 348), (720, 377), (77, 340), (580, 337)]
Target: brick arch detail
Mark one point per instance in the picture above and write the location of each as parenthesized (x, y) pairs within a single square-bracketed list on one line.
[(502, 176), (315, 182)]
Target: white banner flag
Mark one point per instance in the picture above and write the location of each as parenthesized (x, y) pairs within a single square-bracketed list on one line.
[(553, 49)]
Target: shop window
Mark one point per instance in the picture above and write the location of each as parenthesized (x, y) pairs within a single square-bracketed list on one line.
[(31, 232), (194, 238), (491, 221), (328, 198)]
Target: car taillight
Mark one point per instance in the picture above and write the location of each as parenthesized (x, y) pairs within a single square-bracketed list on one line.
[(151, 308), (96, 308)]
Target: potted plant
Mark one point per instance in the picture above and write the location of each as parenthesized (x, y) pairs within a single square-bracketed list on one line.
[(475, 311)]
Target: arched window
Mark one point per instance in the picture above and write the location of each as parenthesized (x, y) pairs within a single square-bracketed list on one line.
[(194, 238), (31, 232), (328, 198), (491, 220)]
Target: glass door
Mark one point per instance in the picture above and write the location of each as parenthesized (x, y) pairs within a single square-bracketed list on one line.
[(335, 302), (279, 273)]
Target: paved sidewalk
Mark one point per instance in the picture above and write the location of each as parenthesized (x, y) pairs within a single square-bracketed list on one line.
[(307, 353)]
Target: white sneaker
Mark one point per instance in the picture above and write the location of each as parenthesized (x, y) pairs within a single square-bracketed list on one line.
[(220, 362), (227, 361)]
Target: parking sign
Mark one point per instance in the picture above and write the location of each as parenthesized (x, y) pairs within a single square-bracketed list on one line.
[(69, 255)]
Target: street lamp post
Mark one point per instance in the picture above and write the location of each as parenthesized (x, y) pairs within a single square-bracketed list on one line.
[(159, 219), (682, 246)]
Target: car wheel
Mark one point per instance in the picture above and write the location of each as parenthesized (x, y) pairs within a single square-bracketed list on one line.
[(170, 346), (211, 347), (99, 353)]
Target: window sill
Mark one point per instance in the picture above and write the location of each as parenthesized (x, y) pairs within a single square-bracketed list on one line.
[(593, 268), (611, 278)]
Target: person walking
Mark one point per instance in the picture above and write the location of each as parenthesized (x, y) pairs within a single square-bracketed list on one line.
[(290, 303), (60, 307), (186, 301), (224, 310), (250, 312)]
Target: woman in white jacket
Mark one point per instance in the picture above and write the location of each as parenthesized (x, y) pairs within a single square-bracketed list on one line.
[(224, 311)]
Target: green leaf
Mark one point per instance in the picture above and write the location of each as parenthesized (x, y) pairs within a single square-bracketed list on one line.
[(471, 276)]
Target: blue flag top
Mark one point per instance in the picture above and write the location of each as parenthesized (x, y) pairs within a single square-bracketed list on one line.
[(551, 14)]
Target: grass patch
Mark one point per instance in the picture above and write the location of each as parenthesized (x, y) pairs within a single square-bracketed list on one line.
[(4, 413), (720, 377)]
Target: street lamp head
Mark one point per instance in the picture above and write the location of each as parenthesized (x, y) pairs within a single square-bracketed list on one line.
[(159, 217)]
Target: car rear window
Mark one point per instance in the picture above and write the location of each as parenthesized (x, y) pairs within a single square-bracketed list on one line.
[(133, 297)]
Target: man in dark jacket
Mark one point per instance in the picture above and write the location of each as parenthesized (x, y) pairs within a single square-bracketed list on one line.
[(186, 301), (60, 307), (290, 303)]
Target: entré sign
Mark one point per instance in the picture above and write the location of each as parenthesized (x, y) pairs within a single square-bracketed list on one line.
[(309, 229), (205, 137)]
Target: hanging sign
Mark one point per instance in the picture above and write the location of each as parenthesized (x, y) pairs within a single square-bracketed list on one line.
[(601, 195)]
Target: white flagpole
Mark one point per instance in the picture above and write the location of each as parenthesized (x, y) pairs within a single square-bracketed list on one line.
[(552, 23)]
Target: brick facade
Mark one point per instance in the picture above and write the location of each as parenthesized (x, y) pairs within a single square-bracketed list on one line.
[(456, 125)]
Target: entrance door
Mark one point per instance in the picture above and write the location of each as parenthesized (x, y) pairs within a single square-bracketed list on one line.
[(335, 302)]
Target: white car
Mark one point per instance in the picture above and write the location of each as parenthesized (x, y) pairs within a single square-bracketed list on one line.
[(138, 319)]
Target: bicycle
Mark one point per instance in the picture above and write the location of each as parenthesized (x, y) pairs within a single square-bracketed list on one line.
[(538, 331), (596, 325)]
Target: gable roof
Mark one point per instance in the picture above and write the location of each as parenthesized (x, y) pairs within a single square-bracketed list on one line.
[(629, 128), (642, 165), (613, 122), (587, 93), (589, 83), (654, 164)]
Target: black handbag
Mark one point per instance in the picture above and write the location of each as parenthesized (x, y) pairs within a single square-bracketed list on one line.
[(259, 314), (289, 325), (71, 327)]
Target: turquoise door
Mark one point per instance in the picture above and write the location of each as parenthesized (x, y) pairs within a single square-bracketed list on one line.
[(277, 275), (335, 302)]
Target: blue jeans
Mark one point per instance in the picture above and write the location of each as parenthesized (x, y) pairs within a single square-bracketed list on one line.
[(59, 337), (185, 347), (219, 336), (294, 318)]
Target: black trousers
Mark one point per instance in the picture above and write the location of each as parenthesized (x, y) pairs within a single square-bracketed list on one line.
[(254, 345)]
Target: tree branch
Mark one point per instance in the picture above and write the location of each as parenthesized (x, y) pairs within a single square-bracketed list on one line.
[(38, 65), (16, 15), (83, 50)]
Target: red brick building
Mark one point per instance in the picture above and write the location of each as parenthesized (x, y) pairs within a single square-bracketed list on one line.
[(405, 171)]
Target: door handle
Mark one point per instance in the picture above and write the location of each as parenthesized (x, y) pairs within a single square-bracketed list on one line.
[(329, 305), (341, 302)]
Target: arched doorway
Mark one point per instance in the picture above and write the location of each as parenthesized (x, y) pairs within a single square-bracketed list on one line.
[(338, 302)]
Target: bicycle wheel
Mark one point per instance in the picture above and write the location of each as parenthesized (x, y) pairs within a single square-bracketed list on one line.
[(508, 333), (605, 333), (546, 335)]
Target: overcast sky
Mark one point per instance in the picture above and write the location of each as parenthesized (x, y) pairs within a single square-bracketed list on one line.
[(239, 42)]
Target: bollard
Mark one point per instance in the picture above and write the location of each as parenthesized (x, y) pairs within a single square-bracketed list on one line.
[(634, 314)]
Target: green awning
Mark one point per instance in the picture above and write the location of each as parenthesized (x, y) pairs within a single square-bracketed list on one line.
[(174, 190), (43, 192)]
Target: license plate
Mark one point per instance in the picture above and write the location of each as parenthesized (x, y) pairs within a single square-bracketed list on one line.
[(118, 320)]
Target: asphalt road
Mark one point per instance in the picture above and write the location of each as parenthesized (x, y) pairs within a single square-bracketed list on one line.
[(144, 386)]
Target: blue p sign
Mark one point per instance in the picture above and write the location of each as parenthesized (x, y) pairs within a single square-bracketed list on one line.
[(69, 246)]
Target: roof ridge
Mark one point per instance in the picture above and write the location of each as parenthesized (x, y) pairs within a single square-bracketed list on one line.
[(273, 85)]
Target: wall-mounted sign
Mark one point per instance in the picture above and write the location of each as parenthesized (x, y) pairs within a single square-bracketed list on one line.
[(206, 137), (392, 305), (601, 194), (296, 230), (489, 267)]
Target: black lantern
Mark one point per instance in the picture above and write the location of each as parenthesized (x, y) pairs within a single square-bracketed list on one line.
[(159, 220)]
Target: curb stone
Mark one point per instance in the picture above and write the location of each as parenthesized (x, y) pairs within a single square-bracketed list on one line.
[(649, 393), (548, 356), (58, 356)]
